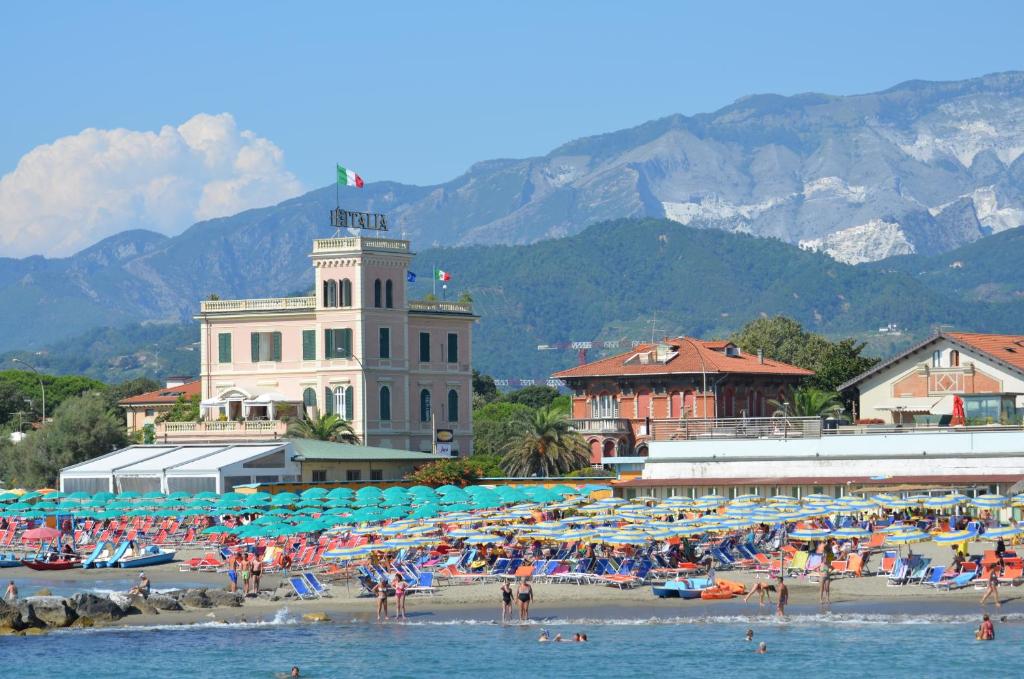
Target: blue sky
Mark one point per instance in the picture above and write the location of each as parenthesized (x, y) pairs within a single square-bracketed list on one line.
[(416, 92)]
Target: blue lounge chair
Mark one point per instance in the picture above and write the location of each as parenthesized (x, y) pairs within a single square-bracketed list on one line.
[(959, 582), (425, 585), (934, 576), (301, 587), (317, 587)]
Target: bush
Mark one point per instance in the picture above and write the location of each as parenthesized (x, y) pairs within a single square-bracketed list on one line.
[(591, 473), (457, 472)]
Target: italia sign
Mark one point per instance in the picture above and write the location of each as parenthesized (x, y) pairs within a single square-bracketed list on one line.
[(347, 219)]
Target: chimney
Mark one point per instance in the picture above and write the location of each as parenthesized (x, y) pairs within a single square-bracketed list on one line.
[(177, 381), (760, 356)]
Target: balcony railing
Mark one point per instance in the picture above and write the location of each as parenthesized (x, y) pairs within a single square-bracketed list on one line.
[(177, 431), (603, 425), (354, 244), (442, 307), (268, 304), (736, 428)]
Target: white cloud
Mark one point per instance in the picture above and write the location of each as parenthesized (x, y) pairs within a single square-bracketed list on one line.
[(65, 196)]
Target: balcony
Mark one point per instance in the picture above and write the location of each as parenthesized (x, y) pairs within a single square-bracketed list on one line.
[(439, 307), (326, 246), (214, 306), (736, 428), (603, 425), (190, 432)]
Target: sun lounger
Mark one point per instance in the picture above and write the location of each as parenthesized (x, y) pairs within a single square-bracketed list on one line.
[(314, 584), (898, 575), (302, 588), (919, 570), (934, 577), (577, 575), (799, 564), (959, 582), (425, 585)]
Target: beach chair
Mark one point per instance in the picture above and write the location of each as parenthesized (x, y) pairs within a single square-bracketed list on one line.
[(577, 575), (302, 588), (959, 582), (521, 572), (425, 585), (919, 570), (798, 566), (934, 576), (898, 575), (316, 586)]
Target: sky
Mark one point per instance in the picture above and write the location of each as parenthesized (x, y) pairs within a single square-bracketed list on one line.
[(125, 115)]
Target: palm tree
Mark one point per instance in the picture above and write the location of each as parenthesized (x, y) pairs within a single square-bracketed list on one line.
[(323, 428), (545, 446), (808, 402)]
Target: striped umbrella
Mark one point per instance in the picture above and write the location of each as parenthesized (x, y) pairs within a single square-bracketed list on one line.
[(851, 533), (944, 501), (994, 534), (809, 534), (906, 537), (989, 501), (954, 537)]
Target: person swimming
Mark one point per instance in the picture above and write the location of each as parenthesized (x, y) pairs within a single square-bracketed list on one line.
[(750, 635), (762, 648), (544, 636)]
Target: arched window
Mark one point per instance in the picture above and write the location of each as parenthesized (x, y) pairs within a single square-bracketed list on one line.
[(424, 405), (309, 397), (453, 405), (389, 294), (376, 293), (346, 292), (954, 359), (343, 403), (330, 294), (385, 403)]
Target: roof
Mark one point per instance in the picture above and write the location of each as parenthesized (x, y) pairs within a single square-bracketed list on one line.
[(105, 464), (167, 395), (171, 458), (817, 480), (1005, 350), (686, 356), (229, 455), (311, 449)]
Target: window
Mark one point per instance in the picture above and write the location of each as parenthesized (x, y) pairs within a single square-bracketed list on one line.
[(376, 293), (224, 347), (604, 406), (309, 397), (453, 405), (346, 292), (389, 294), (936, 358), (330, 294), (309, 345), (266, 346), (424, 406), (453, 347), (338, 343), (384, 342), (344, 403), (385, 404), (319, 475), (353, 475), (376, 474), (424, 347), (150, 412), (954, 359)]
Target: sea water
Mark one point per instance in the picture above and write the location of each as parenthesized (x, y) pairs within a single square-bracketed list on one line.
[(463, 648)]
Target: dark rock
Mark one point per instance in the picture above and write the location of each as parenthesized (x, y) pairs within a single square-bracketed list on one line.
[(96, 607), (163, 602), (84, 621), (221, 598), (10, 617), (52, 611), (28, 614), (44, 591), (195, 598)]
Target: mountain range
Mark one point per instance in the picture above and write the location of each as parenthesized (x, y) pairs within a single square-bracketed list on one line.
[(905, 176)]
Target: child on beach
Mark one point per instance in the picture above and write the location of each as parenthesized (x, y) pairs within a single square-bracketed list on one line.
[(11, 593), (780, 608)]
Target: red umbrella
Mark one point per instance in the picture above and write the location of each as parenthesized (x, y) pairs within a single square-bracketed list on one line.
[(41, 533), (958, 419)]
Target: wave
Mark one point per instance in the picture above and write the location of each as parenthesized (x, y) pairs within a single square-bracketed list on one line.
[(281, 618)]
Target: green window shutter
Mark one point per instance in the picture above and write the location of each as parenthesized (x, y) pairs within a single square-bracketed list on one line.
[(224, 347), (309, 345), (453, 347), (328, 344), (385, 404), (328, 401), (453, 406), (349, 404), (385, 343), (254, 341), (275, 346), (424, 347), (346, 343)]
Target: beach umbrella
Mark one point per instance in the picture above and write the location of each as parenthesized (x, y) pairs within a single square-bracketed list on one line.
[(809, 534), (153, 494), (1004, 532), (989, 501), (103, 496), (940, 502), (78, 495), (903, 538), (954, 537), (851, 533), (313, 493)]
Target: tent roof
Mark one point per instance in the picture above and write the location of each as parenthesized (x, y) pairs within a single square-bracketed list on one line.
[(170, 459), (309, 449), (230, 455), (105, 464)]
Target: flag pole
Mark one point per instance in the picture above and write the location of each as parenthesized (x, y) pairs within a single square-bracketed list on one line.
[(433, 275), (337, 189)]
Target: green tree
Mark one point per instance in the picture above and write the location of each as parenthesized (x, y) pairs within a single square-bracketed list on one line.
[(496, 424), (457, 472), (484, 387), (323, 428), (133, 387), (783, 339), (808, 402), (545, 446), (536, 396), (82, 428), (183, 410)]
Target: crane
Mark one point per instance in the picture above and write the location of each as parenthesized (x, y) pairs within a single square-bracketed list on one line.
[(581, 348)]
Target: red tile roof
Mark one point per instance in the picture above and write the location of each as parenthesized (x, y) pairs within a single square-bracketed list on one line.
[(688, 356), (163, 396), (1005, 348)]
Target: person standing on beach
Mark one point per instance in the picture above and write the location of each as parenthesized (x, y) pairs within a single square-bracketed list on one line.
[(257, 571), (381, 590), (11, 593), (992, 590), (825, 593), (232, 573), (780, 608), (400, 590), (244, 571), (525, 599), (506, 601)]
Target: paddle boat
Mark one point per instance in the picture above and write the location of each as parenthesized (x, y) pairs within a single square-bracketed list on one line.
[(9, 560), (682, 588), (141, 557), (51, 561)]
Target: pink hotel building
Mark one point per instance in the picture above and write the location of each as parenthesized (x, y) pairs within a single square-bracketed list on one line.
[(397, 369)]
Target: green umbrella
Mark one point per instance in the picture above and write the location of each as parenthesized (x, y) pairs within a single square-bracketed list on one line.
[(103, 496), (229, 497), (314, 492), (367, 491), (31, 495), (153, 494), (128, 495), (178, 495), (205, 495), (8, 497), (340, 493)]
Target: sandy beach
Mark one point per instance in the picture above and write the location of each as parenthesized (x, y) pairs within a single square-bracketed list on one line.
[(480, 601)]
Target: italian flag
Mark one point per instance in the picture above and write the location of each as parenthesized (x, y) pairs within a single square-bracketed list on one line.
[(442, 276), (347, 177)]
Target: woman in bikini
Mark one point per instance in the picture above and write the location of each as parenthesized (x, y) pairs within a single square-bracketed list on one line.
[(506, 601), (381, 590), (525, 598), (400, 591)]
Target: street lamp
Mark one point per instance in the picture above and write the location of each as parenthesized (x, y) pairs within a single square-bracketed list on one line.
[(38, 377)]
